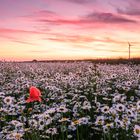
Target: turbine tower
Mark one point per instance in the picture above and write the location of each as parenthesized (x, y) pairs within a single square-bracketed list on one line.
[(129, 49)]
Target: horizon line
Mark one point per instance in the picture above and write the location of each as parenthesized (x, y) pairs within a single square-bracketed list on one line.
[(88, 59)]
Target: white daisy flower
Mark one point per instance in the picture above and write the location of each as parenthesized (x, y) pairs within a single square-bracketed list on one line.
[(41, 124), (105, 129), (69, 136), (137, 131), (130, 113), (33, 123), (120, 107), (8, 100), (17, 136), (51, 131), (2, 94), (128, 83), (51, 110), (119, 123), (84, 120), (72, 127), (62, 109), (16, 123), (48, 121), (99, 120), (113, 76), (105, 109), (138, 105), (117, 98), (86, 105)]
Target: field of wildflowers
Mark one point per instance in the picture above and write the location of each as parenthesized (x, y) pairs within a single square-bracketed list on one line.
[(69, 101)]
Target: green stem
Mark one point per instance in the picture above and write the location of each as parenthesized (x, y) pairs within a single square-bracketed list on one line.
[(77, 133)]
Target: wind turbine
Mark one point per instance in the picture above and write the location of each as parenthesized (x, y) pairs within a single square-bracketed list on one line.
[(129, 49)]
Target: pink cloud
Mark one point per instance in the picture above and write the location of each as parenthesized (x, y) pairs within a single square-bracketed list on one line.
[(71, 38), (131, 8), (75, 39), (80, 1), (16, 35), (24, 42), (128, 11), (13, 31), (90, 19), (108, 18)]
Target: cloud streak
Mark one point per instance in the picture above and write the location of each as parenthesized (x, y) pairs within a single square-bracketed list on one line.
[(90, 19), (131, 8), (24, 42), (79, 1), (131, 12), (14, 31), (76, 39), (14, 35), (108, 18), (71, 38)]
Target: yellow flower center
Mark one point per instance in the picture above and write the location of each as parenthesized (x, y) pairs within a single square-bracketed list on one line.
[(99, 122), (64, 119), (108, 124), (76, 122), (18, 136), (137, 131)]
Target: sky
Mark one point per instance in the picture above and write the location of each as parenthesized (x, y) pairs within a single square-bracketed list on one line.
[(68, 29)]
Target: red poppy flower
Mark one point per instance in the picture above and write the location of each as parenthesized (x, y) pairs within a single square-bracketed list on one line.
[(34, 95)]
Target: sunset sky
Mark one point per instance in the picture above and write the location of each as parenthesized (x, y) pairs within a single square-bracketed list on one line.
[(68, 29)]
